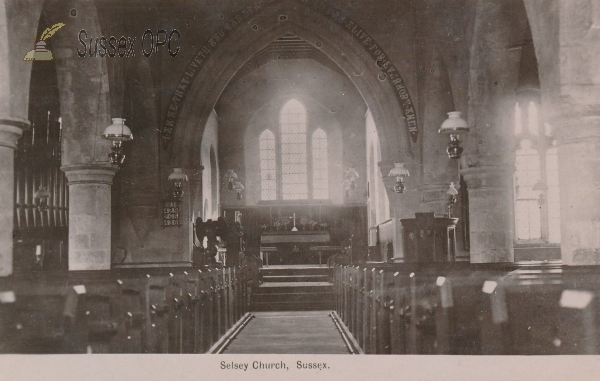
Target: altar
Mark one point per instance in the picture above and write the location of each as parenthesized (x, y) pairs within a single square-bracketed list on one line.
[(295, 247)]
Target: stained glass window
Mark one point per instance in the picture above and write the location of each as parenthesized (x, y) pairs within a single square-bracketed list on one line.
[(320, 165), (285, 157), (268, 166), (294, 176)]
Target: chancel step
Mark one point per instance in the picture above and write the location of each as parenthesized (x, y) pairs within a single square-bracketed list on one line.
[(286, 288), (294, 270), (294, 278)]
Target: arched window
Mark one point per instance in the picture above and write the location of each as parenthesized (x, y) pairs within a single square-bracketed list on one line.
[(537, 206), (294, 179), (286, 160), (320, 165), (268, 166)]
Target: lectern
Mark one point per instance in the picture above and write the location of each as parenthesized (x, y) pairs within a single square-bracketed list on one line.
[(429, 239)]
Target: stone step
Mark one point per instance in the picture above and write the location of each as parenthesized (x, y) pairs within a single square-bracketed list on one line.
[(295, 278), (293, 270), (295, 297), (292, 306), (294, 288)]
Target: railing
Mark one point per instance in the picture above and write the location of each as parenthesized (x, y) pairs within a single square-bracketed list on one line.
[(468, 309), (120, 311)]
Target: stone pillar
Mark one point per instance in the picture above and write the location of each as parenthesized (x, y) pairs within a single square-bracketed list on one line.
[(491, 213), (10, 131), (89, 216), (438, 169), (579, 179), (488, 161), (576, 119), (435, 198)]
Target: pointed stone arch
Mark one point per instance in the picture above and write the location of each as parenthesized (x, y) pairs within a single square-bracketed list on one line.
[(208, 75)]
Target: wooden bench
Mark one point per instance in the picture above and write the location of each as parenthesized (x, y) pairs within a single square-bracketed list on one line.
[(153, 310), (37, 320), (445, 309)]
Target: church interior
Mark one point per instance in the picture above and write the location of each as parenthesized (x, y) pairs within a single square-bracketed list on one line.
[(300, 176)]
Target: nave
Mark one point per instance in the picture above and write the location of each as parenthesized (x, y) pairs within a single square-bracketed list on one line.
[(527, 308)]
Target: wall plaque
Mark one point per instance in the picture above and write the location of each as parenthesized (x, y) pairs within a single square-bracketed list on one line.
[(171, 213)]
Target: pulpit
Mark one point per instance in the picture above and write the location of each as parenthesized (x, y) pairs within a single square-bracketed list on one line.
[(293, 246), (429, 239)]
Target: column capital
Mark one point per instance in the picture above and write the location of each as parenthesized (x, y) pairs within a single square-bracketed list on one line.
[(89, 173), (11, 130), (488, 177)]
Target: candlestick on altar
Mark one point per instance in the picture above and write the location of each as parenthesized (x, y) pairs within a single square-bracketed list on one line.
[(294, 229)]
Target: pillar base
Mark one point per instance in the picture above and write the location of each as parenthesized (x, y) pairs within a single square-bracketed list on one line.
[(89, 216)]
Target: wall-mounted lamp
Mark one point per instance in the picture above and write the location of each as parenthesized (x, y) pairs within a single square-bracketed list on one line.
[(451, 192), (118, 133), (238, 187), (178, 178), (399, 172), (454, 126), (42, 194), (352, 175), (230, 176)]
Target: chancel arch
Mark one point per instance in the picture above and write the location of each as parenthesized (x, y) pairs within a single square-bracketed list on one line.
[(330, 38)]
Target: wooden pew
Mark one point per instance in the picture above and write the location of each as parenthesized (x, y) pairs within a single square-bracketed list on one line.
[(414, 308), (522, 314), (37, 320), (579, 312), (173, 310)]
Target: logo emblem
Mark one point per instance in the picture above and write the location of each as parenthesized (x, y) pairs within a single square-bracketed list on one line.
[(40, 53)]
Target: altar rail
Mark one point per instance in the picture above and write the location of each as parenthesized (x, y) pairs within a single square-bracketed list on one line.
[(172, 310), (470, 309)]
